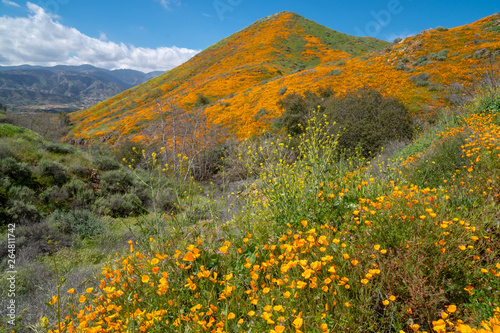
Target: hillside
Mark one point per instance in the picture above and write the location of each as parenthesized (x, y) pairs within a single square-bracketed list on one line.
[(245, 75), (268, 50), (67, 88)]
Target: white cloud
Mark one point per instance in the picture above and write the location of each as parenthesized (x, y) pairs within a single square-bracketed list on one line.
[(40, 39), (10, 3), (167, 3)]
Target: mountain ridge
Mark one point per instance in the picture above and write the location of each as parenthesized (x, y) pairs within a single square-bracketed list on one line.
[(62, 87)]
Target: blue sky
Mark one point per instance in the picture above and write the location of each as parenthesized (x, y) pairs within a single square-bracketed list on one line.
[(160, 34)]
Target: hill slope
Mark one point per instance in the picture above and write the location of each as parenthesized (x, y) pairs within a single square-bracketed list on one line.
[(273, 47)]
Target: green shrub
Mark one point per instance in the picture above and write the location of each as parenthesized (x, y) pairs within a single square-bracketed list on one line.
[(201, 100), (370, 120), (209, 162), (21, 193), (81, 222), (74, 186), (23, 212), (400, 66), (441, 28), (106, 163), (115, 181), (81, 171), (421, 61), (83, 199), (298, 109), (130, 153), (443, 53), (53, 173), (420, 77), (55, 197), (436, 87), (11, 130), (58, 148), (489, 103), (119, 205), (335, 72), (422, 83), (20, 173), (167, 200), (364, 118)]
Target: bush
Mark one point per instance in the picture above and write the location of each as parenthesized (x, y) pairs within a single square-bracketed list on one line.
[(20, 173), (115, 181), (59, 148), (209, 162), (441, 29), (34, 237), (81, 222), (55, 197), (298, 109), (335, 72), (201, 100), (119, 205), (420, 77), (370, 120), (74, 186), (106, 163), (365, 119), (83, 199), (130, 153), (21, 193), (81, 171), (53, 173), (167, 200), (400, 66), (421, 61), (443, 53), (23, 212)]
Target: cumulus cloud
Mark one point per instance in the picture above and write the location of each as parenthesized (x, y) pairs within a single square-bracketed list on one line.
[(40, 39), (10, 3)]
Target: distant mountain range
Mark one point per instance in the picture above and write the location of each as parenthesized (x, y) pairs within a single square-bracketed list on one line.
[(63, 88)]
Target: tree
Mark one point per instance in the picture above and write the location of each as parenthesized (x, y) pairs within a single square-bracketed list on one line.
[(184, 135), (364, 118)]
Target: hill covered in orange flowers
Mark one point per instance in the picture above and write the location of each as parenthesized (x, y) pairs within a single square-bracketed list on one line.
[(239, 80)]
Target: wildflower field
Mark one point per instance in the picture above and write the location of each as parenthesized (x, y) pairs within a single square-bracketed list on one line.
[(323, 242)]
